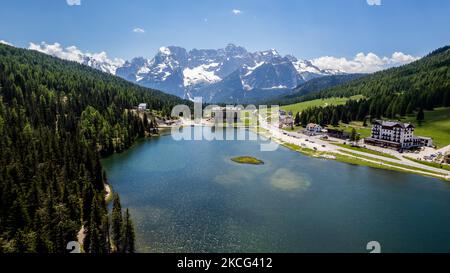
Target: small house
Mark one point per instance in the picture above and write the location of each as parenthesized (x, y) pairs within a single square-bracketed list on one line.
[(282, 112), (286, 122), (142, 106), (285, 119), (423, 141), (313, 128)]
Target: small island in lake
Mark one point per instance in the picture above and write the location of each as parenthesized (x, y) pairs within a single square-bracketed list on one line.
[(247, 160)]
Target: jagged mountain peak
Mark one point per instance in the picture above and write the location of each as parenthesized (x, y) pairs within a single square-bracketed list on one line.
[(141, 61), (234, 48), (170, 50), (270, 52)]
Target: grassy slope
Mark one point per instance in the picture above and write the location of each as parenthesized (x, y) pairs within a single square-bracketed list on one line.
[(358, 125), (299, 107), (436, 125)]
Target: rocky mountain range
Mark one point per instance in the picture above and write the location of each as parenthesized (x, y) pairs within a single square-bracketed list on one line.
[(231, 74)]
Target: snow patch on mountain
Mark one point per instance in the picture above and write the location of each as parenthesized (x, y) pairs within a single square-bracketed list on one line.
[(144, 70), (306, 66), (251, 69), (164, 50), (277, 87), (200, 75)]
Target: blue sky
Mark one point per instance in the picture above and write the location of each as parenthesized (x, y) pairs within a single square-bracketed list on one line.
[(306, 29)]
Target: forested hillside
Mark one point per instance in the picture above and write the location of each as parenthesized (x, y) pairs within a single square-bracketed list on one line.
[(421, 85), (313, 86), (57, 119)]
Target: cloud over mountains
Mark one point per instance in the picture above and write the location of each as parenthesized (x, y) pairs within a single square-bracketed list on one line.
[(363, 63)]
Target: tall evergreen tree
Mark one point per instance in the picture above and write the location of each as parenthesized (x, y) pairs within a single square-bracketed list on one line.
[(129, 236), (117, 224), (297, 119), (335, 118), (94, 241), (420, 116), (353, 135)]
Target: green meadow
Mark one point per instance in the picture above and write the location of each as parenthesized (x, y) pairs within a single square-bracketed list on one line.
[(299, 107)]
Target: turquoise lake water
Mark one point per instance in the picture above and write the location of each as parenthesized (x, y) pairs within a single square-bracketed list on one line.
[(188, 196)]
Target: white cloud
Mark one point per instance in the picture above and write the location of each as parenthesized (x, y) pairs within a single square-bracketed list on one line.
[(139, 30), (72, 53), (363, 63), (374, 2), (399, 57), (236, 12), (73, 2), (5, 43)]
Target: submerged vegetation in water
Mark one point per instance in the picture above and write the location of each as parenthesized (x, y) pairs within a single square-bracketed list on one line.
[(247, 160), (286, 180)]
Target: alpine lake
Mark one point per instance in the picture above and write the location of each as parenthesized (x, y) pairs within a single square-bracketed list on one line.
[(189, 196)]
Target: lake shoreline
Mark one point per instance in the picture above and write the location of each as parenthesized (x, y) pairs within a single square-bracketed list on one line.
[(340, 156)]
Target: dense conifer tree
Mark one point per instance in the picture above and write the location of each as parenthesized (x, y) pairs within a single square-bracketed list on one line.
[(117, 224), (129, 236), (420, 116), (297, 120)]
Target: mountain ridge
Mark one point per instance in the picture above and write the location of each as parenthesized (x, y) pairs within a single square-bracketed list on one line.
[(197, 72), (314, 86)]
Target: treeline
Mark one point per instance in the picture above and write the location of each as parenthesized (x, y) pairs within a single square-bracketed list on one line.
[(423, 84), (332, 115), (57, 119)]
